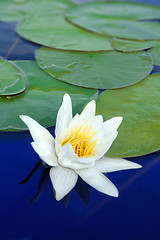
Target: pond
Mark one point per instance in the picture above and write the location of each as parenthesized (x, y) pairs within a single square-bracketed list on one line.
[(28, 208)]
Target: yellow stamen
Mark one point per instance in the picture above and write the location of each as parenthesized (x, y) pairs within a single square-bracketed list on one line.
[(80, 139)]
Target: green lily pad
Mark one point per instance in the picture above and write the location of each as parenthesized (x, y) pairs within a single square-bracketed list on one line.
[(16, 10), (55, 32), (42, 99), (155, 54), (118, 19), (44, 23), (95, 70), (132, 46), (140, 107), (12, 81)]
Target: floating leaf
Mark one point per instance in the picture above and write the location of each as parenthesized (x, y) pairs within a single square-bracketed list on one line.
[(12, 81), (118, 19), (132, 46), (44, 23), (42, 99), (54, 31), (95, 70), (16, 10), (155, 53), (140, 107), (12, 11)]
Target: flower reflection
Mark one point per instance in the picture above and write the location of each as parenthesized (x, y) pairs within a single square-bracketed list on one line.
[(78, 149), (83, 190), (43, 182)]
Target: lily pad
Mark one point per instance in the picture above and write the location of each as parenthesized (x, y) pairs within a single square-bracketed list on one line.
[(95, 70), (42, 99), (55, 32), (16, 10), (132, 46), (140, 107), (155, 54), (12, 81), (118, 19)]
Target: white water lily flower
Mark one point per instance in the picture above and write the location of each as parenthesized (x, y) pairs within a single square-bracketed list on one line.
[(78, 149)]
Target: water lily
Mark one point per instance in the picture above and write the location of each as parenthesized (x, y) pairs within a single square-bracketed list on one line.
[(78, 148)]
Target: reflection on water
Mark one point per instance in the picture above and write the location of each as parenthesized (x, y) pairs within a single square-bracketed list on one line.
[(43, 182), (83, 189)]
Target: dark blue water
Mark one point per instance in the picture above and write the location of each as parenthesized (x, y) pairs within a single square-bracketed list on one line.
[(134, 215)]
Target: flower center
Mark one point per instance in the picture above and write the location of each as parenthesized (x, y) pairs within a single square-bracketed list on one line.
[(81, 139)]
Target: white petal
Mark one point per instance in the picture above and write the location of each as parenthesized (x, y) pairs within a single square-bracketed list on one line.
[(46, 153), (112, 124), (107, 164), (75, 122), (63, 181), (97, 180), (64, 115), (67, 158), (39, 133), (89, 110), (95, 122), (103, 146)]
